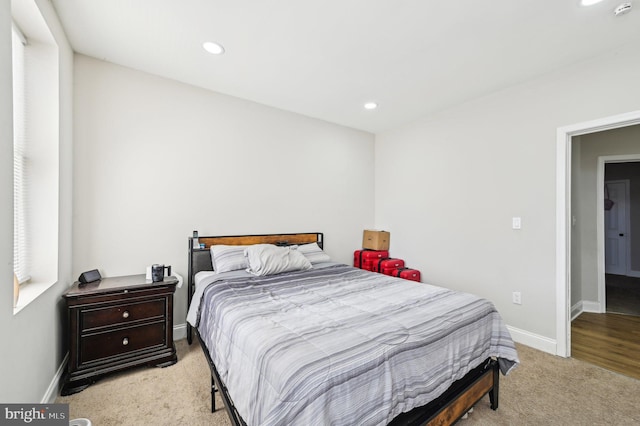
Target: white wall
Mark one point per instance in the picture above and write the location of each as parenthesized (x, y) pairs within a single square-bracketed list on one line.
[(448, 185), (33, 340), (156, 159)]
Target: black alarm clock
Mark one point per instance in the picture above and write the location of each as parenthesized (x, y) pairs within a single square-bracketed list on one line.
[(89, 276)]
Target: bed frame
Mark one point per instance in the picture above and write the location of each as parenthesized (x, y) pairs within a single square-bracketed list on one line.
[(461, 396)]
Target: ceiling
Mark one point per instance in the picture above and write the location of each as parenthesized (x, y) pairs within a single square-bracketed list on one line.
[(325, 59)]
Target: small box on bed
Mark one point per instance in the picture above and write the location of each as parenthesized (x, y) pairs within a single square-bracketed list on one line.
[(375, 240)]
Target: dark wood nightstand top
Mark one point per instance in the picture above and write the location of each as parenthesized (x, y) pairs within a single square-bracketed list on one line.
[(111, 284)]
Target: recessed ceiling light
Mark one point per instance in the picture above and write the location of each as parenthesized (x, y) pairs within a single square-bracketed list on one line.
[(370, 105), (589, 2), (213, 48)]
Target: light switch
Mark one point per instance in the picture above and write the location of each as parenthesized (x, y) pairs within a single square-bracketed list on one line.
[(516, 223)]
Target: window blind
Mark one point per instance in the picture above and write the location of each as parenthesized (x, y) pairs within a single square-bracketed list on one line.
[(20, 141)]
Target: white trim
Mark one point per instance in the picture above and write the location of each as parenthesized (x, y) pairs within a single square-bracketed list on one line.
[(180, 331), (600, 251), (630, 158), (584, 306), (563, 242), (634, 274), (576, 310), (19, 33), (533, 340), (52, 391), (628, 224), (563, 210), (591, 306), (29, 292), (600, 248)]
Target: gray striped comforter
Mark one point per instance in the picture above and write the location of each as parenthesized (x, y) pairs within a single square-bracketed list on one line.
[(343, 346)]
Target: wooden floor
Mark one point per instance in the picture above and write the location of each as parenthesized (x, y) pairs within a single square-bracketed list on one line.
[(611, 341)]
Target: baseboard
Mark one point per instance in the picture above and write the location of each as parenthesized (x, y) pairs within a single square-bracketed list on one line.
[(589, 306), (576, 310), (52, 391), (180, 331), (533, 340), (585, 306), (635, 274)]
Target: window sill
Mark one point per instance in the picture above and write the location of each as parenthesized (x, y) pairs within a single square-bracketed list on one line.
[(30, 292)]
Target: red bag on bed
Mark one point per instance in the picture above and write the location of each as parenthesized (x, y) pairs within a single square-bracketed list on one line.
[(365, 259), (387, 266), (407, 274)]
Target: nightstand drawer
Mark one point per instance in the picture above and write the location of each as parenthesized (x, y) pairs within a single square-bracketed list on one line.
[(118, 342), (121, 314)]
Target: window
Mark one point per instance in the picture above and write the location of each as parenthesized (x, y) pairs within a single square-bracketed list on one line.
[(36, 120)]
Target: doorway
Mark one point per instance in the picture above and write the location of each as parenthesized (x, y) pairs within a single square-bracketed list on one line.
[(599, 336), (617, 175), (622, 262), (564, 218)]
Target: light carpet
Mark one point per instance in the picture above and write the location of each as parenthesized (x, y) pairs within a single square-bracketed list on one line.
[(543, 390)]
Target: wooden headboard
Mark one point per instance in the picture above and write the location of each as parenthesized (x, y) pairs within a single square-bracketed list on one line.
[(278, 239), (200, 258)]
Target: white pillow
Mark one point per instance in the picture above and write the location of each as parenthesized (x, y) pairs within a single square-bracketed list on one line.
[(268, 259), (228, 258), (314, 253)]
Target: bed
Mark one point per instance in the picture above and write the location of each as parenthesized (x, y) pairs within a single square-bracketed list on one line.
[(331, 344)]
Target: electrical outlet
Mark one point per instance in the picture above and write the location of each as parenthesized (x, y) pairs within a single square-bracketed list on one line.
[(517, 298)]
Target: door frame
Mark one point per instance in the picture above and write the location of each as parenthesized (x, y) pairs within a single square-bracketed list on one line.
[(600, 229), (564, 136)]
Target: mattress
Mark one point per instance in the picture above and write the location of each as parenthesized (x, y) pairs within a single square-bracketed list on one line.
[(339, 345)]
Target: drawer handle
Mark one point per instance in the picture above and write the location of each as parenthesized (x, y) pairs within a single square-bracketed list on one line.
[(125, 314), (125, 341)]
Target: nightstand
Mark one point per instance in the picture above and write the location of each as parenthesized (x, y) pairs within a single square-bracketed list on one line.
[(118, 323)]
